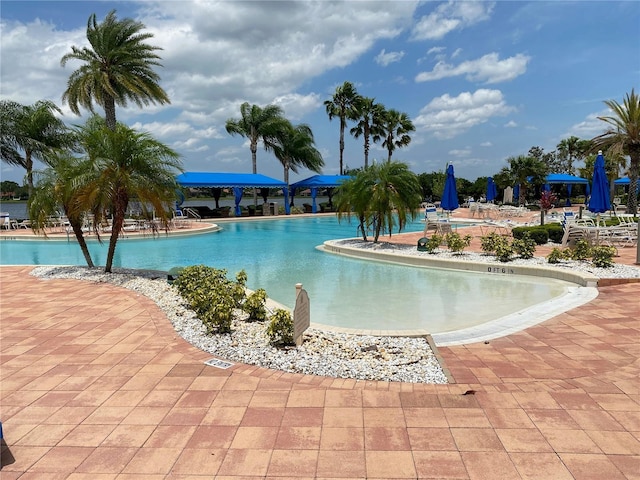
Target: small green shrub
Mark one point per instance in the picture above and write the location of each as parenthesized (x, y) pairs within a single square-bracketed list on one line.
[(557, 255), (504, 251), (256, 306), (602, 256), (457, 243), (489, 242), (581, 250), (525, 247), (555, 231), (280, 328), (434, 242)]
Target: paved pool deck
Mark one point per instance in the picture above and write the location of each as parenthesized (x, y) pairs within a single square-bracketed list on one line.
[(96, 384)]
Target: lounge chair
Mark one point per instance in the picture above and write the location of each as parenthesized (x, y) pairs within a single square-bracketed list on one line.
[(434, 221)]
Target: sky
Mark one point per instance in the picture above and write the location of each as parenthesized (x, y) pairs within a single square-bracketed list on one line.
[(481, 81)]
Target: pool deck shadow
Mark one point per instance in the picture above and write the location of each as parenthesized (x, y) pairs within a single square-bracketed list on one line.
[(95, 383)]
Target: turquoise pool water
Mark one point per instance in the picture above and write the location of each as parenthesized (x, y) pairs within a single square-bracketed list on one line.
[(279, 253)]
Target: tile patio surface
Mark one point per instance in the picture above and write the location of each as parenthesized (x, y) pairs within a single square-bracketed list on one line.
[(96, 384)]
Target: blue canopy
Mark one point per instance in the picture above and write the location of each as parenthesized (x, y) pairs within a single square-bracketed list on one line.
[(565, 178), (492, 191), (229, 180), (599, 201), (319, 181), (449, 199), (622, 181)]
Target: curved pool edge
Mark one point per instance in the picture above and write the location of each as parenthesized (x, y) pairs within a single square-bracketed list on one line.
[(585, 291), (493, 268)]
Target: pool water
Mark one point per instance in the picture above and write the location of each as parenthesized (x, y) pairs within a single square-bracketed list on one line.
[(346, 292)]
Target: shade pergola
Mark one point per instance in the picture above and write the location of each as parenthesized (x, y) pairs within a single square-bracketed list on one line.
[(318, 181), (237, 181)]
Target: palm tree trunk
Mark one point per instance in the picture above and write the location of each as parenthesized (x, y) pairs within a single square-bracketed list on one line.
[(110, 112), (254, 163), (77, 230), (119, 212), (29, 166), (341, 145)]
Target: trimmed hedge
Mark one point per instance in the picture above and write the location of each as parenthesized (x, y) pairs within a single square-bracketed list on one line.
[(541, 234)]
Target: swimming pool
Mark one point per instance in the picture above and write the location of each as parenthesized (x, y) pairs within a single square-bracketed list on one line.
[(346, 292)]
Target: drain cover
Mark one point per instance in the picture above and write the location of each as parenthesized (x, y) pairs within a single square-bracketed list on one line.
[(215, 362)]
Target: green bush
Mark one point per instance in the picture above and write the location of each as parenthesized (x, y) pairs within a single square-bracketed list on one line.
[(256, 306), (581, 250), (557, 255), (525, 247), (555, 231), (211, 295), (280, 329), (504, 251), (602, 256), (541, 234), (456, 243), (434, 242), (488, 243)]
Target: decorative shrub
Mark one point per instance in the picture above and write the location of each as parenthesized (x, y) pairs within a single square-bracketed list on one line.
[(581, 250), (280, 328), (557, 255), (602, 256), (256, 306), (541, 234), (489, 242), (211, 295), (504, 251), (456, 243), (434, 242), (525, 247)]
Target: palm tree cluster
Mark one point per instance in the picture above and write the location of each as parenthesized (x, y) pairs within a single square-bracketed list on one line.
[(381, 196), (101, 166), (374, 121), (293, 145)]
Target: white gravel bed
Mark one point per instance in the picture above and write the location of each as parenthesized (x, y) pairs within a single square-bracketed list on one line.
[(331, 354), (617, 271), (362, 357)]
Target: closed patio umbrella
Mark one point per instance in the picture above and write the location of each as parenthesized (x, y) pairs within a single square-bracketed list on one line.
[(599, 201), (449, 200), (492, 191)]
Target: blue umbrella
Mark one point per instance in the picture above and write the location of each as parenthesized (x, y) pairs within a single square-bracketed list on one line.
[(492, 191), (599, 202), (449, 200)]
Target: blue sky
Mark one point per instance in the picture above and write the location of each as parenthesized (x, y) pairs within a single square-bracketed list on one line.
[(482, 81)]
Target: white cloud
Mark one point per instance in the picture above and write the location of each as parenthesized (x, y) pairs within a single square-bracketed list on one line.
[(511, 124), (486, 144), (590, 127), (487, 69), (447, 117), (465, 152), (450, 16), (384, 58)]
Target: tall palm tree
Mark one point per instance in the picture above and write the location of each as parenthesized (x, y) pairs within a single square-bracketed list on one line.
[(369, 115), (126, 164), (255, 124), (521, 168), (384, 195), (295, 147), (623, 136), (396, 127), (570, 149), (116, 69), (34, 130), (58, 186), (341, 105)]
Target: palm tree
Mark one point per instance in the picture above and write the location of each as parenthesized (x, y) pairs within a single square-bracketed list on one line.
[(117, 69), (369, 115), (570, 149), (521, 168), (58, 186), (396, 126), (294, 146), (256, 123), (384, 195), (126, 164), (33, 129), (623, 137), (341, 105)]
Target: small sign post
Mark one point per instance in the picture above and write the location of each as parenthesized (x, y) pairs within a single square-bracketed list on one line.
[(301, 314)]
